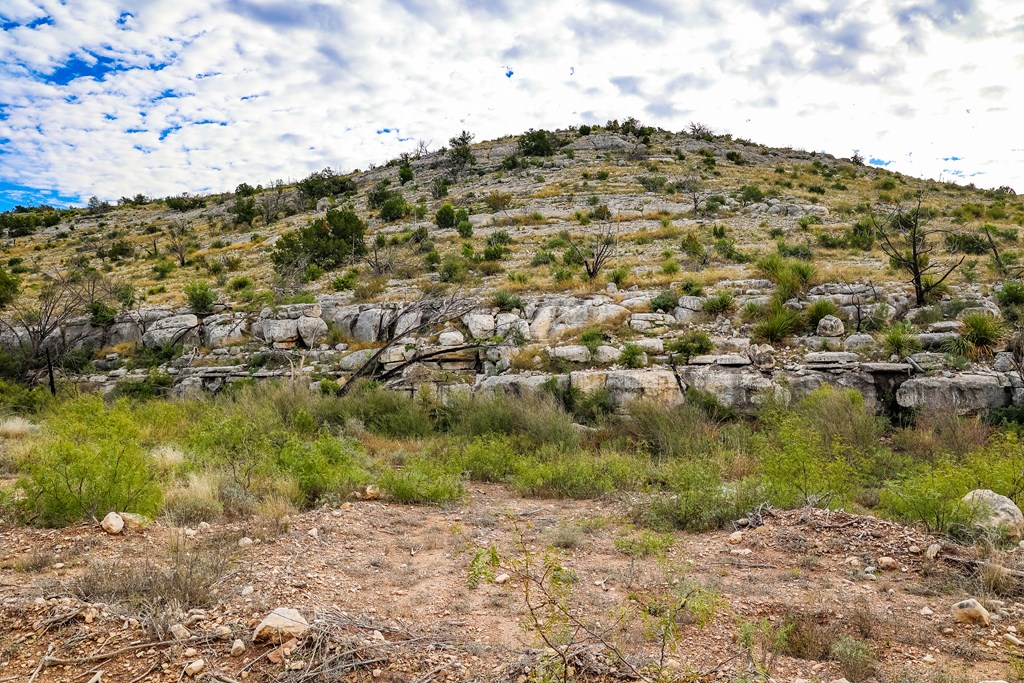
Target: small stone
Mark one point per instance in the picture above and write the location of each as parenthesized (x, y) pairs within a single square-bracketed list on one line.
[(742, 552), (887, 563), (926, 611), (928, 659), (237, 647), (376, 673), (113, 523), (247, 590), (378, 636), (371, 492), (914, 550), (735, 538), (204, 526), (971, 612), (830, 326), (933, 551), (222, 632), (502, 578), (852, 561), (244, 542), (58, 565), (180, 632), (190, 652), (313, 533), (90, 615), (1012, 639), (195, 668)]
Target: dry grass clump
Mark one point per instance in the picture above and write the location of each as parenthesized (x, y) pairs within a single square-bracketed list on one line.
[(17, 428), (194, 502)]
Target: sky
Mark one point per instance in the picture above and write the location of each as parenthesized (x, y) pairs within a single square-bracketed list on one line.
[(112, 98)]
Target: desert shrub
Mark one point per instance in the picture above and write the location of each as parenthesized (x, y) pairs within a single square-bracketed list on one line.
[(841, 419), (200, 296), (900, 340), (809, 636), (14, 398), (690, 287), (542, 258), (633, 356), (669, 432), (798, 470), (89, 462), (325, 468), (557, 473), (695, 499), (491, 459), (932, 496), (498, 201), (964, 243), (818, 310), (465, 229), (184, 578), (643, 544), (453, 269), (983, 332), (1011, 294), (691, 343), (856, 658), (719, 303), (240, 283), (505, 300), (422, 481), (325, 183), (192, 503), (777, 323), (534, 419), (391, 413), (445, 216), (327, 242), (665, 302), (394, 208)]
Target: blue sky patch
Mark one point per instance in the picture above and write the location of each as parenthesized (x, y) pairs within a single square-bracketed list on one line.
[(13, 194), (879, 162)]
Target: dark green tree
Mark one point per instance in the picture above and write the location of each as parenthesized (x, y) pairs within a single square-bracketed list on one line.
[(328, 242)]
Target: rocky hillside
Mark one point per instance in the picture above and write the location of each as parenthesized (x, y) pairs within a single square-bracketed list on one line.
[(621, 258)]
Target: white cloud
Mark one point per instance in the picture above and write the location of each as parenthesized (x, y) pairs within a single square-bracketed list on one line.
[(251, 90)]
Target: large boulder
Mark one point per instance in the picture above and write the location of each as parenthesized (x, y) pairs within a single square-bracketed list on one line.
[(371, 325), (742, 388), (480, 325), (996, 513), (176, 329), (831, 326), (224, 329), (963, 393), (311, 330), (278, 332), (551, 321)]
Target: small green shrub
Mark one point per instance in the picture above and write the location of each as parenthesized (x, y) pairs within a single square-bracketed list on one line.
[(89, 463), (691, 343), (633, 356), (719, 303), (322, 469), (577, 474), (422, 481), (445, 216), (900, 340), (777, 323), (818, 310), (665, 302), (856, 658), (200, 296), (983, 332), (643, 544), (932, 497)]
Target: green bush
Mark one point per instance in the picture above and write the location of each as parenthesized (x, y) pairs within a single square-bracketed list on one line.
[(577, 474), (818, 310), (391, 413), (445, 216), (200, 296), (329, 242), (900, 340), (669, 432), (691, 343), (505, 300), (719, 303), (798, 470), (777, 323), (422, 481), (534, 419), (536, 143), (696, 499), (394, 208), (465, 229), (856, 658), (932, 497), (665, 302), (89, 463), (983, 332), (633, 356), (490, 459), (325, 468)]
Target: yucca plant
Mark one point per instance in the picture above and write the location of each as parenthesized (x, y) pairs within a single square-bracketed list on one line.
[(778, 323), (719, 303), (505, 300), (900, 340), (819, 309), (958, 347), (983, 332)]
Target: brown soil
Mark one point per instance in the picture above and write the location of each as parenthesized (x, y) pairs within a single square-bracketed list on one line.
[(402, 571)]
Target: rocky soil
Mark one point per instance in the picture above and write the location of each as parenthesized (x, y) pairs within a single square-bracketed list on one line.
[(385, 590)]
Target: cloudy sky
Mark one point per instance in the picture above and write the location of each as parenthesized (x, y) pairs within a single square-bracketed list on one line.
[(117, 97)]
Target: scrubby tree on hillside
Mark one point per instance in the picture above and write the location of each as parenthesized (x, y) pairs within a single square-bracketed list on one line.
[(329, 242), (908, 239), (459, 154)]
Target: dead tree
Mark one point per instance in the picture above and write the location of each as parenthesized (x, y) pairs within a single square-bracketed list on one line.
[(181, 239), (908, 240), (601, 248), (428, 312)]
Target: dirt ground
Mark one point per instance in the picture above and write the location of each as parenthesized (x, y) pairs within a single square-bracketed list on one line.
[(386, 589)]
